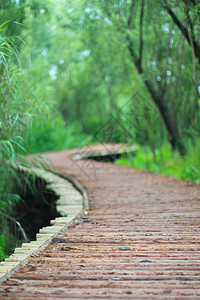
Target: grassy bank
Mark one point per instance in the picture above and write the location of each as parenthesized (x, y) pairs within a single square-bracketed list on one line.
[(165, 161)]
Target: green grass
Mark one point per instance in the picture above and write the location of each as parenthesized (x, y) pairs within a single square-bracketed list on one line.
[(165, 161), (52, 134)]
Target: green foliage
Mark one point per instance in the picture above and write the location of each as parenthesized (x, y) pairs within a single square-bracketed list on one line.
[(19, 104), (167, 162), (52, 134), (77, 57), (2, 244)]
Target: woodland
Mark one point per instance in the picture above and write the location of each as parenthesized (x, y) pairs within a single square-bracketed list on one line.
[(80, 72)]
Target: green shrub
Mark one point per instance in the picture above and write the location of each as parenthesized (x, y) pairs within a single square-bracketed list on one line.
[(52, 134), (167, 162)]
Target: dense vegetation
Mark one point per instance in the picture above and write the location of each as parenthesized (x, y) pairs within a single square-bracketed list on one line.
[(92, 71)]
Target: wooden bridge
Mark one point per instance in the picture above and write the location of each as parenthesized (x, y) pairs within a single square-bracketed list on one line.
[(138, 240)]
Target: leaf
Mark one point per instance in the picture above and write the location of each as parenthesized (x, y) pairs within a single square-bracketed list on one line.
[(4, 24), (17, 144)]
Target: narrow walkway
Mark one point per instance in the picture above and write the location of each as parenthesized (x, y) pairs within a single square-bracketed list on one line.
[(139, 240)]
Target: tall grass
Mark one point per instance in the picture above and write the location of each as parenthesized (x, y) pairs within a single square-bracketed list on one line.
[(9, 122), (52, 134), (165, 161), (18, 105)]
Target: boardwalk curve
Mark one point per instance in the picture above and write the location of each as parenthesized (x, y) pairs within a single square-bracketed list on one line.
[(138, 240)]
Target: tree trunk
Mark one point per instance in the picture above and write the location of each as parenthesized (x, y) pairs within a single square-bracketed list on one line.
[(171, 125)]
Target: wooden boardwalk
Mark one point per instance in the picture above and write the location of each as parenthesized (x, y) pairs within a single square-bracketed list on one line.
[(139, 240)]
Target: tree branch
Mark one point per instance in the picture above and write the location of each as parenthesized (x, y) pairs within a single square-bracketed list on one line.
[(194, 68), (184, 31), (141, 33), (130, 19)]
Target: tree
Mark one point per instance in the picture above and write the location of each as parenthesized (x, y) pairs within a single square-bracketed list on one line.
[(187, 19), (158, 95), (190, 12)]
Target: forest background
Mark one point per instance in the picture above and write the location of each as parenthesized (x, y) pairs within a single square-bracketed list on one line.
[(77, 72)]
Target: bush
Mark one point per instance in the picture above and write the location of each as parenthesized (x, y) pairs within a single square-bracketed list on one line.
[(167, 162)]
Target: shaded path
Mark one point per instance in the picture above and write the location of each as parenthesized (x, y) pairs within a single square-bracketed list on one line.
[(139, 240)]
